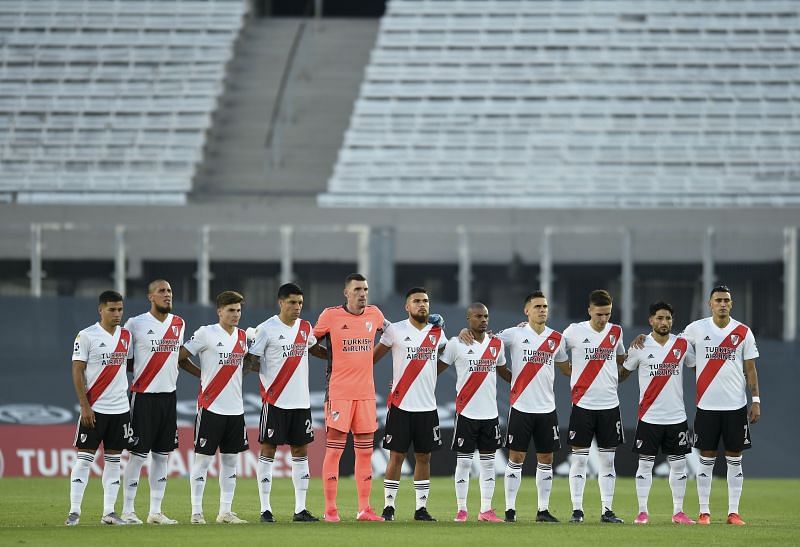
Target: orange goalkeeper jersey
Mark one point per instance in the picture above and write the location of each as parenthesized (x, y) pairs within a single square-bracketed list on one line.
[(350, 342)]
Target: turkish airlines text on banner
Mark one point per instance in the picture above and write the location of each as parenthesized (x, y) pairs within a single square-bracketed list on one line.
[(47, 451)]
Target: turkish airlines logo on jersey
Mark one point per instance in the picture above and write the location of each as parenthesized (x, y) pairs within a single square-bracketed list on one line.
[(735, 340)]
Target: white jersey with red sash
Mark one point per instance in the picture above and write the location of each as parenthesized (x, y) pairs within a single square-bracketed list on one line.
[(532, 367), (661, 378), (594, 377), (414, 357), (720, 355), (105, 356), (283, 353), (221, 356), (476, 379), (154, 349)]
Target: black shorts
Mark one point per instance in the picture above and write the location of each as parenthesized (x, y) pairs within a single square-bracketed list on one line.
[(113, 430), (605, 425), (212, 431), (731, 425), (290, 426), (542, 428), (154, 421), (404, 428), (672, 439), (470, 434)]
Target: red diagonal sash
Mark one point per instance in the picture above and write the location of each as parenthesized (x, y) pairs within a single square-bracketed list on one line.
[(476, 378), (157, 359), (413, 369), (594, 366), (530, 370), (674, 355), (714, 365), (271, 394), (224, 375), (109, 372)]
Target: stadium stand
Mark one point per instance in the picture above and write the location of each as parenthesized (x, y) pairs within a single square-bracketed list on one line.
[(107, 99), (547, 103)]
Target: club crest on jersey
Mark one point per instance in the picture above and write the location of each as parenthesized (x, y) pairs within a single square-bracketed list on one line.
[(735, 339), (493, 351), (612, 339), (304, 334), (369, 326), (83, 437), (638, 443), (460, 441), (124, 343), (571, 435), (432, 338), (175, 330), (551, 344), (242, 345), (202, 442), (511, 439), (676, 353), (388, 438), (270, 432), (335, 415)]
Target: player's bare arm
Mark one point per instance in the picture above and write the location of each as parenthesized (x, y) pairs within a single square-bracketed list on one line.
[(79, 381), (504, 373), (379, 351), (621, 359), (184, 360), (752, 384), (318, 351), (251, 363), (441, 366), (622, 373), (565, 367)]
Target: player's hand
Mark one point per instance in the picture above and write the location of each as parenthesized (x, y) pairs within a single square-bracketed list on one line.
[(87, 417), (436, 320), (638, 342), (755, 412), (466, 337)]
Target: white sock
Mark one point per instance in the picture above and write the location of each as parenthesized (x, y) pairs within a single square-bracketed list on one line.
[(158, 480), (423, 490), (735, 480), (78, 479), (463, 466), (198, 480), (577, 476), (512, 481), (111, 476), (390, 489), (227, 481), (677, 481), (644, 480), (705, 472), (544, 485), (487, 477), (300, 478), (133, 470), (607, 478), (264, 476)]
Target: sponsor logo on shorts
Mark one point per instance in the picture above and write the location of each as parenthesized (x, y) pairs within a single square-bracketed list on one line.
[(83, 437), (638, 443), (388, 438), (511, 438), (202, 442), (335, 415), (571, 434), (460, 441), (270, 432)]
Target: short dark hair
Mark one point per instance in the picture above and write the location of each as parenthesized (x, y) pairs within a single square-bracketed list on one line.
[(288, 289), (719, 288), (109, 296), (660, 305), (353, 277), (416, 290), (534, 294), (600, 297), (226, 298), (151, 287)]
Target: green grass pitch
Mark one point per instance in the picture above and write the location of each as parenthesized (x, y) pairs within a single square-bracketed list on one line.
[(32, 511)]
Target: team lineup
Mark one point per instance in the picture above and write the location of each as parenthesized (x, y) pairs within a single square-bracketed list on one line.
[(351, 338)]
